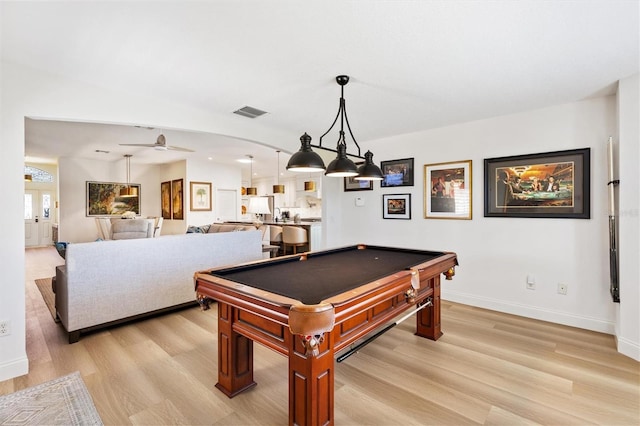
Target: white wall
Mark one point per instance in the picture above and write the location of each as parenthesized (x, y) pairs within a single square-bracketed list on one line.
[(496, 254), (628, 332)]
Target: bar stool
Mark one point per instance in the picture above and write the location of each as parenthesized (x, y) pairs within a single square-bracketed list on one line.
[(293, 236), (275, 235)]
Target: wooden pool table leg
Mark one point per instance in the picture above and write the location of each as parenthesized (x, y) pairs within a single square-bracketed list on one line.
[(428, 319), (311, 383), (235, 355)]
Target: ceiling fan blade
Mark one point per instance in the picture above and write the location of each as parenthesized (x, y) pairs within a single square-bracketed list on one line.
[(139, 144), (177, 148), (160, 145)]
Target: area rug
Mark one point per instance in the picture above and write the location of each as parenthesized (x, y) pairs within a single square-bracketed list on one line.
[(62, 401), (44, 285)]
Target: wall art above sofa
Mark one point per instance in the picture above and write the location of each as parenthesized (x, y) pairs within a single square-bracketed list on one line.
[(103, 199)]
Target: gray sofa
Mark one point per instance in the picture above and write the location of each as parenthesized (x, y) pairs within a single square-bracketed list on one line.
[(107, 282)]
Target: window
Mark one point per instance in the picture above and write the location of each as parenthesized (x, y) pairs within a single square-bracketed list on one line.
[(38, 175)]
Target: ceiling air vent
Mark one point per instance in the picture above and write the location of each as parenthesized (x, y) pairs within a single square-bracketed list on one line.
[(250, 112)]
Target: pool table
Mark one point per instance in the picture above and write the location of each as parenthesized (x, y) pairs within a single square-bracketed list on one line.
[(311, 306)]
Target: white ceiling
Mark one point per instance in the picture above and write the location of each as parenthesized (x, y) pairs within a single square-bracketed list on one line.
[(414, 65)]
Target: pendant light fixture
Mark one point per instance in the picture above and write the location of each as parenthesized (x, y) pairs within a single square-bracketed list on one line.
[(277, 188), (28, 178), (310, 185), (369, 171), (128, 191), (251, 190), (305, 160), (342, 165)]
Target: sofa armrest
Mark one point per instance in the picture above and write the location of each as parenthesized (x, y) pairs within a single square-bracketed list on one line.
[(61, 295)]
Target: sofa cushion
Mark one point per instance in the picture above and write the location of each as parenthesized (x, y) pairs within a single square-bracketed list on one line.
[(126, 229), (203, 229), (221, 227), (229, 227)]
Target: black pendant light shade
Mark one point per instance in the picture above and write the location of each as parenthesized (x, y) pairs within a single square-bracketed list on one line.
[(369, 171), (305, 160), (341, 166)]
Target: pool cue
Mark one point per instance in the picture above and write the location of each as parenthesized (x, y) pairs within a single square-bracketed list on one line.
[(381, 332)]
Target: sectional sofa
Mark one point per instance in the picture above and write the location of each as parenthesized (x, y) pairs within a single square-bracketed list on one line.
[(107, 282)]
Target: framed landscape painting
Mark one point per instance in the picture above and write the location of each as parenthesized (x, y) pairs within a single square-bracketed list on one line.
[(103, 199), (200, 196), (447, 190), (547, 185)]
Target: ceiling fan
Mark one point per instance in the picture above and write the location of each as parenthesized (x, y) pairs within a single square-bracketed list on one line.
[(160, 145)]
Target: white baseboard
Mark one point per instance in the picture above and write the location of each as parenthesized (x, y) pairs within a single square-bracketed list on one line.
[(628, 348), (14, 368), (535, 312)]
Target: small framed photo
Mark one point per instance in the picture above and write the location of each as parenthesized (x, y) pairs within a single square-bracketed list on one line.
[(547, 185), (350, 184), (447, 190), (200, 196), (396, 206), (397, 172)]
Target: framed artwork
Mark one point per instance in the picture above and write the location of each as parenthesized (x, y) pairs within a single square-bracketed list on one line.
[(103, 199), (165, 199), (447, 190), (547, 185), (350, 184), (200, 196), (396, 206), (177, 199), (397, 172)]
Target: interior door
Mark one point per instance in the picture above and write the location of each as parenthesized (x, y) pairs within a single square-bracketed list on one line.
[(38, 213)]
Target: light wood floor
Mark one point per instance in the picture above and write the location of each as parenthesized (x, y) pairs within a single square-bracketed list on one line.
[(488, 368)]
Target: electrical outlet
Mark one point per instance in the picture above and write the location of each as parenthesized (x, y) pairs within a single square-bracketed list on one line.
[(562, 288), (5, 328)]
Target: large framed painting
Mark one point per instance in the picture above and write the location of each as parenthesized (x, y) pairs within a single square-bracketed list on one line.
[(200, 196), (103, 199), (165, 199), (177, 197), (447, 190), (547, 185), (396, 206), (397, 172)]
